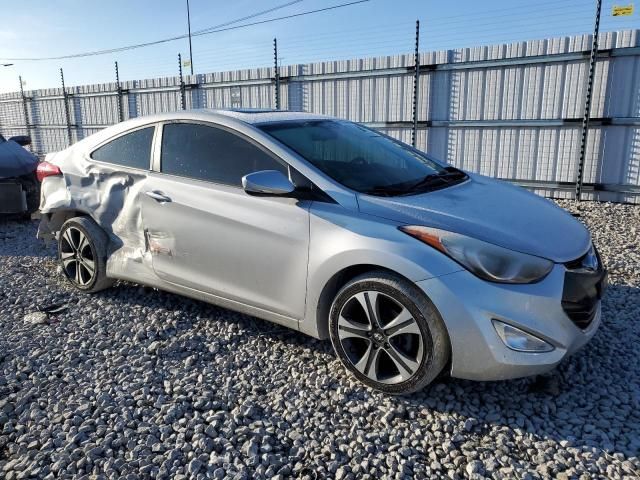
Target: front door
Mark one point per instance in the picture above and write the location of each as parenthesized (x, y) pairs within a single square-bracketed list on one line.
[(205, 232)]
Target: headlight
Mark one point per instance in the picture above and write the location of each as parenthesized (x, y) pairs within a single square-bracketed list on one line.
[(487, 261)]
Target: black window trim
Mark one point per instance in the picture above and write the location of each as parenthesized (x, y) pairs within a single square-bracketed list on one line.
[(153, 125), (157, 152)]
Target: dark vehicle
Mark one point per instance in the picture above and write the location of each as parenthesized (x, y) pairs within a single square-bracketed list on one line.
[(19, 186)]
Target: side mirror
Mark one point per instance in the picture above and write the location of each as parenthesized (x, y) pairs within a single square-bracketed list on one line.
[(267, 182), (22, 140)]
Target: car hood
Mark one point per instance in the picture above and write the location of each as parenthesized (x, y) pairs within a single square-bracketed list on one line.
[(492, 211)]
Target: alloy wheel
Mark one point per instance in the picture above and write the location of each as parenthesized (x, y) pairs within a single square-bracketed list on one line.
[(78, 257), (380, 337)]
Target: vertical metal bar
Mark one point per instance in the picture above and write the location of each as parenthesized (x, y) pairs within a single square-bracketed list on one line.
[(25, 110), (189, 26), (182, 99), (587, 101), (119, 92), (66, 108), (416, 86), (276, 72)]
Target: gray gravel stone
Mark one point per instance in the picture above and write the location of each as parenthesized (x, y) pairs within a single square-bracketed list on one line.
[(136, 383)]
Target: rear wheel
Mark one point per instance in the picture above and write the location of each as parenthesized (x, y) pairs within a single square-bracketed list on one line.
[(388, 334), (82, 251)]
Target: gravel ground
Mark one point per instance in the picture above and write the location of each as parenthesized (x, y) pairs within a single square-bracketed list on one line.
[(136, 383)]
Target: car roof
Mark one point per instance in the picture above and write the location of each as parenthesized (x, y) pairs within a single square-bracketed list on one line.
[(242, 116), (255, 116), (245, 115)]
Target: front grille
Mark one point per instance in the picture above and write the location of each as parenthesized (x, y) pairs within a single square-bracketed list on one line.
[(584, 284)]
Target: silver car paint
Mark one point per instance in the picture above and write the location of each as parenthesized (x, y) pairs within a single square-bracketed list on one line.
[(500, 213), (196, 244), (274, 257), (477, 351)]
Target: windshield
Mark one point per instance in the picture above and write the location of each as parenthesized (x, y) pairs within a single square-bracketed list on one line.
[(362, 159)]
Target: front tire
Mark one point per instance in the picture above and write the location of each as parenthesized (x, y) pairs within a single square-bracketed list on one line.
[(388, 334), (82, 252)]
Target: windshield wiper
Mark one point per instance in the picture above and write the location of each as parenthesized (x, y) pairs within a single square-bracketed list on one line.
[(449, 176), (385, 191)]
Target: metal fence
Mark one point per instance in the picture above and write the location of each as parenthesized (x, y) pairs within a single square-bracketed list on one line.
[(512, 111)]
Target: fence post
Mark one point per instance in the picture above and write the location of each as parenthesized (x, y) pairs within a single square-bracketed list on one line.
[(182, 89), (587, 101), (66, 108), (25, 110), (416, 86), (119, 93), (276, 72)]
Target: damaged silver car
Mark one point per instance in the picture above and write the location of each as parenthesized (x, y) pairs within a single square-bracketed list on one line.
[(411, 267)]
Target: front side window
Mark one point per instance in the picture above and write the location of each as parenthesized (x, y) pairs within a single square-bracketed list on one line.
[(212, 154), (362, 159), (129, 150)]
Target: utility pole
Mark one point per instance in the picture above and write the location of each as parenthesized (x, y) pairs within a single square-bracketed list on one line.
[(587, 101), (189, 26)]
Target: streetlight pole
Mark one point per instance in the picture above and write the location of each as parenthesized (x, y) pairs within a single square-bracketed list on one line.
[(189, 26)]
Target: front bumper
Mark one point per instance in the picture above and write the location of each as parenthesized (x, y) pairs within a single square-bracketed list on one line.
[(468, 304)]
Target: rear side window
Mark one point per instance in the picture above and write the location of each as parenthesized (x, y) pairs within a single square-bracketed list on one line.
[(130, 150), (211, 154)]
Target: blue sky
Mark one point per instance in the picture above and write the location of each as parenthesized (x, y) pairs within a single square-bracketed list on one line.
[(43, 28)]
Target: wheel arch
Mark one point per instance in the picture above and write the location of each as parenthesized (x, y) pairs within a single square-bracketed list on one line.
[(51, 222), (331, 288)]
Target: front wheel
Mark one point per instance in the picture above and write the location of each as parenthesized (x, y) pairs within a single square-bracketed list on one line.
[(388, 334), (82, 251)]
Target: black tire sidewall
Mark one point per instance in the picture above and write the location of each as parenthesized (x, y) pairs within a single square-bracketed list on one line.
[(417, 381)]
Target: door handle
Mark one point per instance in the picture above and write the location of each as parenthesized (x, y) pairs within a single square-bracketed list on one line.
[(158, 196)]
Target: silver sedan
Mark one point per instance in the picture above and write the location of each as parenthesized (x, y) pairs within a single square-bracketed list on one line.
[(412, 267)]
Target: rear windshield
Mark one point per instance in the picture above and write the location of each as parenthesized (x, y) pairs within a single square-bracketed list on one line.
[(357, 157)]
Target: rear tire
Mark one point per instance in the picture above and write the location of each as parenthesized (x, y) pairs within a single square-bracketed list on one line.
[(82, 252), (388, 334)]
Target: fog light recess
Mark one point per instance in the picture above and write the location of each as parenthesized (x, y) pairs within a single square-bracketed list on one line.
[(519, 340)]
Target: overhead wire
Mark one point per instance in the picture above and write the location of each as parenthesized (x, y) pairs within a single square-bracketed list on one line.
[(515, 23), (180, 37)]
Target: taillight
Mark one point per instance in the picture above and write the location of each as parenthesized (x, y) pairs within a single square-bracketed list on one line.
[(46, 169)]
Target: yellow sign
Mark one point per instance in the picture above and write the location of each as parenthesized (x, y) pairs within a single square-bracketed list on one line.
[(622, 10), (186, 63)]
